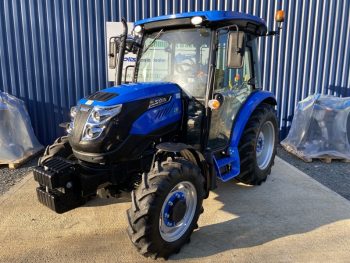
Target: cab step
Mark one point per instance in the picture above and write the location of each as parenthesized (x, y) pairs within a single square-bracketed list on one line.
[(227, 167)]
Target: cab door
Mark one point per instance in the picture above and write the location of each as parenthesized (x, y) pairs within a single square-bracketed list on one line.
[(235, 85)]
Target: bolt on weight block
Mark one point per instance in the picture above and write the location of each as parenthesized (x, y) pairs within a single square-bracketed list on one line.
[(58, 201), (56, 173)]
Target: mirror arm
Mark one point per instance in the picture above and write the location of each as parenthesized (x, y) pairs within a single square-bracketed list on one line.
[(274, 32)]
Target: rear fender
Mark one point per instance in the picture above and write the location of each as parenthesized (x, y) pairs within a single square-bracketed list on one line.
[(242, 118), (246, 110)]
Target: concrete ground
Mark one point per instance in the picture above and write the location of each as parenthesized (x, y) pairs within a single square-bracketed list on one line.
[(334, 175), (290, 218)]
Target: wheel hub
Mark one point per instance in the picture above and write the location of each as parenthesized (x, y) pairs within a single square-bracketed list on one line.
[(175, 209), (178, 210), (260, 144), (265, 145)]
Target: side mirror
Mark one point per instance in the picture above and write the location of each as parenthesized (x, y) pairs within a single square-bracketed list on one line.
[(235, 49), (113, 51), (133, 44)]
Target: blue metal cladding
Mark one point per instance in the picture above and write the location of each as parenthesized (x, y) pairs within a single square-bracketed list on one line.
[(53, 52)]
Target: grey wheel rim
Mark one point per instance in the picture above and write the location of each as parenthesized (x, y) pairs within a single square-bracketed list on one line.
[(171, 231), (265, 145)]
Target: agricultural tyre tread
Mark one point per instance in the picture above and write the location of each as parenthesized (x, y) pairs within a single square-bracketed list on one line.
[(147, 201), (250, 172)]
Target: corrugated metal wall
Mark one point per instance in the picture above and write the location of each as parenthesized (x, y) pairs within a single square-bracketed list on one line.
[(53, 52)]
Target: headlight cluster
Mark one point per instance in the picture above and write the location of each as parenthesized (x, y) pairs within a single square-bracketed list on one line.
[(96, 122), (73, 113)]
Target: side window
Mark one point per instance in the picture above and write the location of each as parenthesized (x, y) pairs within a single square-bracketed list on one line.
[(235, 87), (232, 79)]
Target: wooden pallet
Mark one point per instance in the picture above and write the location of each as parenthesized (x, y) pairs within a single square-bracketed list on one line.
[(28, 156), (324, 159)]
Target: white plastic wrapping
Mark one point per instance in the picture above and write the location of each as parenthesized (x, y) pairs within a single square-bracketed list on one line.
[(320, 128), (17, 137)]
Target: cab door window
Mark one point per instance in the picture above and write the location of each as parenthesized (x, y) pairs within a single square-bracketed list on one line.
[(235, 85)]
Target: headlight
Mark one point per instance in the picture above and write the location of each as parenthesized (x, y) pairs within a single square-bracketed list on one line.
[(93, 132), (97, 120), (73, 112), (138, 29), (103, 114), (196, 20), (69, 128)]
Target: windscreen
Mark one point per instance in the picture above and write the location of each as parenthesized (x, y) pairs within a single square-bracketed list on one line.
[(180, 56)]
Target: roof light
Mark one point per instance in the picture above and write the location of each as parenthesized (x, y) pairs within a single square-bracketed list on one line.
[(138, 29), (196, 20)]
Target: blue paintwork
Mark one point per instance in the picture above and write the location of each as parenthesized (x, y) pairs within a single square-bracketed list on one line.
[(232, 160), (242, 118), (136, 91), (212, 16), (158, 117), (177, 196), (153, 119)]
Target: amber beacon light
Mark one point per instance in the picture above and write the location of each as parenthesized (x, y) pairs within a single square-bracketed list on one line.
[(279, 17)]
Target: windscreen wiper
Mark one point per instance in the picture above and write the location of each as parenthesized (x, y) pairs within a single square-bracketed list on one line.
[(150, 44)]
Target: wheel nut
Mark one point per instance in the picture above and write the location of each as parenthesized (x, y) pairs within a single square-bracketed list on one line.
[(69, 185)]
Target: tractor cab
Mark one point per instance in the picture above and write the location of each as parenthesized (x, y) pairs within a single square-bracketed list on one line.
[(213, 57)]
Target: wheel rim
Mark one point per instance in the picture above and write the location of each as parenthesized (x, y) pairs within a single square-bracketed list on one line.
[(265, 145), (177, 212)]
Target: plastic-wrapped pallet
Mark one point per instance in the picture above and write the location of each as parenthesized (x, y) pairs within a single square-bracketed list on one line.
[(17, 138), (320, 128)]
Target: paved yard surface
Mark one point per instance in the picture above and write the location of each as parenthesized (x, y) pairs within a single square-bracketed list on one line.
[(291, 218), (335, 175)]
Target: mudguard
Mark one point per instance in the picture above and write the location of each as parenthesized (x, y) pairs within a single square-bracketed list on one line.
[(238, 127)]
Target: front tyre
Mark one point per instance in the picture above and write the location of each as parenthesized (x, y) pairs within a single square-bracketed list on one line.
[(60, 148), (166, 207)]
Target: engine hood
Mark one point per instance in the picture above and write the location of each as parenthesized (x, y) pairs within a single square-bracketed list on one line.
[(129, 92)]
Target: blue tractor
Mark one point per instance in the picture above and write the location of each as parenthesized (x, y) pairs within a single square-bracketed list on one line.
[(194, 113)]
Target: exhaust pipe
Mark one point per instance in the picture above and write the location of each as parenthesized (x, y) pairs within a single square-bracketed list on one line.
[(123, 38)]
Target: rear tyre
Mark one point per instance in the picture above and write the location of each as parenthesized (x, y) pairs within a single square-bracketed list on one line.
[(257, 148), (165, 208), (60, 147)]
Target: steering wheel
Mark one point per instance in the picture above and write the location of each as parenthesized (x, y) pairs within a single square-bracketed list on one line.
[(185, 67)]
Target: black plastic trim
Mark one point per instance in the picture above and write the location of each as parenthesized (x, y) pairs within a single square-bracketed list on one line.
[(102, 96)]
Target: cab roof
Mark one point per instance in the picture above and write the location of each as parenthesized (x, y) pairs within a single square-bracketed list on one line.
[(246, 22)]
